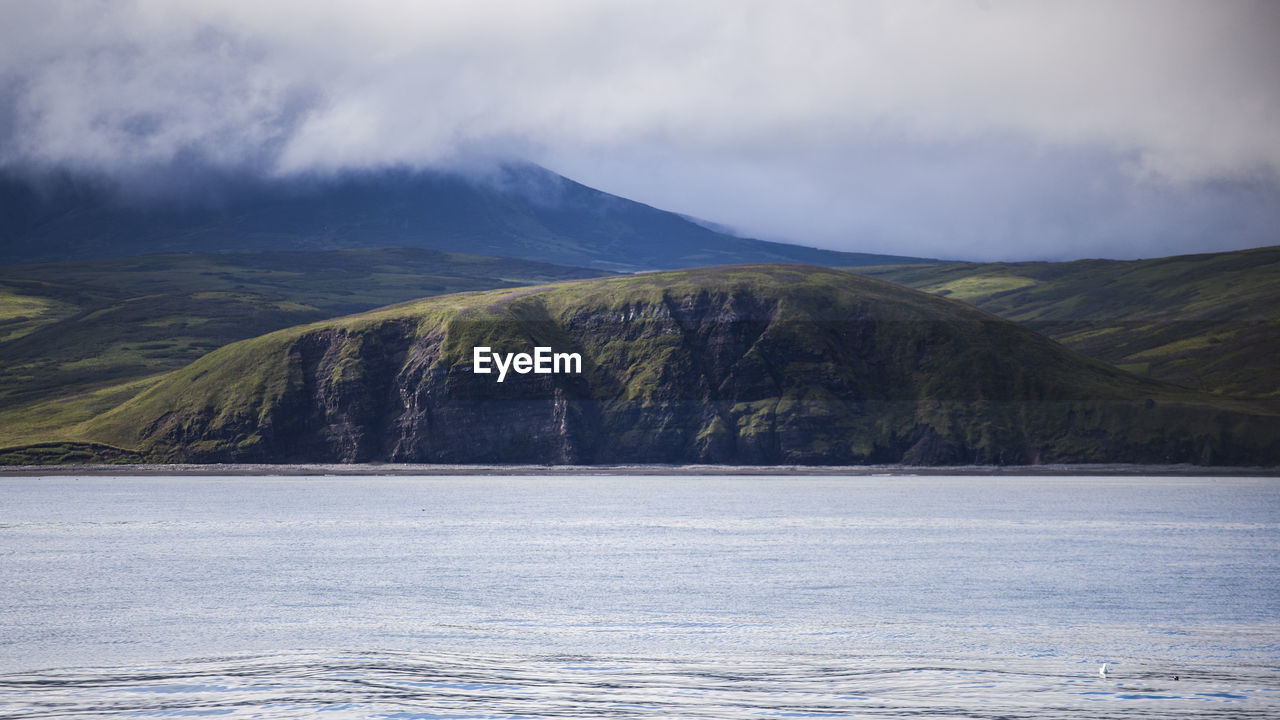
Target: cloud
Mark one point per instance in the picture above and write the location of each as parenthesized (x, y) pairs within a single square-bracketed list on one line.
[(925, 124), (987, 198)]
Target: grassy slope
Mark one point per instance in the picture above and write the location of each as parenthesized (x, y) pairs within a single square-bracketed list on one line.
[(1203, 321), (848, 369), (67, 329)]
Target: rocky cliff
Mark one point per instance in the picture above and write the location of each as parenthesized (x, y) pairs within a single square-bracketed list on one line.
[(746, 364)]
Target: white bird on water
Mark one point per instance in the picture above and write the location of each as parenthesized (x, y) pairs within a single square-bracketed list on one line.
[(1102, 671)]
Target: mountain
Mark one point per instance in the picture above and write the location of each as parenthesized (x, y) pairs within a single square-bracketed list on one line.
[(1208, 321), (69, 327), (752, 364), (518, 211)]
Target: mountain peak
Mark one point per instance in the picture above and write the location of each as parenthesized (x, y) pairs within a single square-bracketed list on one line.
[(515, 210)]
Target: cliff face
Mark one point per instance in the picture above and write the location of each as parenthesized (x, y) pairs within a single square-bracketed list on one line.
[(760, 364)]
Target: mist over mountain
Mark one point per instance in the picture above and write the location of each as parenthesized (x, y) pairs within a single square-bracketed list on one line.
[(996, 131), (514, 210)]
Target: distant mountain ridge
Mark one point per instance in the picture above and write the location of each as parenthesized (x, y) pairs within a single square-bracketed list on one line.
[(518, 211)]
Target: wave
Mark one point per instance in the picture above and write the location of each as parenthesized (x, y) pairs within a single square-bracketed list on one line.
[(450, 685)]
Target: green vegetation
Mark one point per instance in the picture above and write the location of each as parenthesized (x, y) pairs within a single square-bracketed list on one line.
[(73, 327), (1209, 322), (749, 364), (56, 420), (21, 314), (66, 453)]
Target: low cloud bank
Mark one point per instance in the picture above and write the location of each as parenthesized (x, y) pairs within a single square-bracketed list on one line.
[(982, 130)]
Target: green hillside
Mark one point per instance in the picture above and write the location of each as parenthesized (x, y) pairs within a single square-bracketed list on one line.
[(756, 364), (70, 327), (1203, 321)]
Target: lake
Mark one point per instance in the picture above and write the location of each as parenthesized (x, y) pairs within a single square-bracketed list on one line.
[(645, 597)]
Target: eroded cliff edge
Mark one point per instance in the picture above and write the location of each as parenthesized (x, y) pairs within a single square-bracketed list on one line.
[(742, 364)]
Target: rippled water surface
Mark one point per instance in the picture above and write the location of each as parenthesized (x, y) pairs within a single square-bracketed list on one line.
[(639, 597)]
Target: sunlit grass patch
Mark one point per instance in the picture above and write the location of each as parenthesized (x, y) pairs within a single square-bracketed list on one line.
[(980, 286), (21, 314), (1090, 334), (13, 305), (1185, 345)]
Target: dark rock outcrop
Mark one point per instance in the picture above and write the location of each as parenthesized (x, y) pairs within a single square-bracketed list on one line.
[(752, 365)]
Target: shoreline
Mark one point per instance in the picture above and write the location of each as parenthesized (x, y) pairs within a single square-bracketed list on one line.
[(432, 470)]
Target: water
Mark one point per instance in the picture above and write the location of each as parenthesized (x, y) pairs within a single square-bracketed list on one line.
[(645, 597)]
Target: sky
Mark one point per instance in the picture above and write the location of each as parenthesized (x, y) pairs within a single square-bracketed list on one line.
[(966, 129)]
